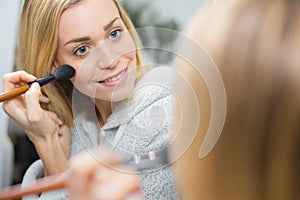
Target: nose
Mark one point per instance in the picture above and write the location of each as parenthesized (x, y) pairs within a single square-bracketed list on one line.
[(107, 58)]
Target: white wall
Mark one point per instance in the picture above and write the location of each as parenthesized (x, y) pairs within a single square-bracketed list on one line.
[(8, 22)]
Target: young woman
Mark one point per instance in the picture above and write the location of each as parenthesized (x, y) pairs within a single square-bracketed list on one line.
[(97, 38)]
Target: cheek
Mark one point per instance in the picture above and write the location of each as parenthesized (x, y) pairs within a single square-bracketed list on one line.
[(132, 57), (77, 78), (83, 76), (126, 46), (62, 58)]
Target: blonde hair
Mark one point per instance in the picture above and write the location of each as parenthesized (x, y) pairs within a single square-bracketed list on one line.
[(256, 45), (36, 50)]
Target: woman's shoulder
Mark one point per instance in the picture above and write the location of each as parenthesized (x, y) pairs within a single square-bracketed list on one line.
[(148, 95), (152, 95), (156, 87)]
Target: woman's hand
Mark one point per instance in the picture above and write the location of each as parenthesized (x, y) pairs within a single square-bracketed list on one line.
[(26, 110), (47, 132), (95, 175)]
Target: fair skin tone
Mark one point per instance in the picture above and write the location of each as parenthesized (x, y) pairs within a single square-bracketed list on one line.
[(52, 143), (93, 180), (97, 26), (107, 75)]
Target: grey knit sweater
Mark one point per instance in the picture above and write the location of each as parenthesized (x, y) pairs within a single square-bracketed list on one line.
[(137, 126)]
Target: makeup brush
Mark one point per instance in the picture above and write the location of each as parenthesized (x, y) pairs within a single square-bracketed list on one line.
[(63, 72), (42, 185), (144, 161)]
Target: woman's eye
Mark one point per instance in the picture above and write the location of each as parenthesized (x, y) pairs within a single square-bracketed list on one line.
[(81, 51), (115, 34)]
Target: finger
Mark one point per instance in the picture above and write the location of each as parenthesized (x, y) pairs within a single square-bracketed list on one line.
[(65, 135), (82, 166), (123, 185), (55, 118), (64, 131), (32, 96), (12, 80), (95, 158), (42, 122), (44, 99), (85, 164), (138, 195), (16, 109)]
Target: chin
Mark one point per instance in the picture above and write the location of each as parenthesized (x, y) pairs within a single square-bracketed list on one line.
[(125, 90), (120, 94)]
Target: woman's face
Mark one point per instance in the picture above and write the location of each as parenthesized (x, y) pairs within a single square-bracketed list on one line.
[(95, 41)]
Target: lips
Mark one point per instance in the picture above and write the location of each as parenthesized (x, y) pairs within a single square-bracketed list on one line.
[(115, 77)]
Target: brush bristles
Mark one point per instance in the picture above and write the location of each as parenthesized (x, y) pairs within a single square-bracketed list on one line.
[(64, 72)]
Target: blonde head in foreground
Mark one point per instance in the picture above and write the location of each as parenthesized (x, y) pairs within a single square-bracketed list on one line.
[(255, 44)]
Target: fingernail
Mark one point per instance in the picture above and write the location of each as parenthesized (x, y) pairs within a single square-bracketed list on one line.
[(35, 86), (33, 77), (59, 121), (45, 99)]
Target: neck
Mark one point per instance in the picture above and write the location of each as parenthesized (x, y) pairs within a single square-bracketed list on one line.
[(104, 109)]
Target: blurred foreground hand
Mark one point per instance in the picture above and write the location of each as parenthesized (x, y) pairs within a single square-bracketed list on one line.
[(97, 174)]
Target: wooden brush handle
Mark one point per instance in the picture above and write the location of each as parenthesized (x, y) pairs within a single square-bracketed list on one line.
[(14, 92), (145, 161), (42, 185)]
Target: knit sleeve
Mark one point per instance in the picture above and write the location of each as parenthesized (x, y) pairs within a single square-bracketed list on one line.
[(153, 129), (159, 183), (34, 172), (86, 138)]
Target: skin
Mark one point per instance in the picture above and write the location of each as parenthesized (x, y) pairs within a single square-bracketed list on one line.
[(52, 143), (97, 26), (93, 180), (88, 26)]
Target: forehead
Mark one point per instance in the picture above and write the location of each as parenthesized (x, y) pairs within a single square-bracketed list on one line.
[(85, 17)]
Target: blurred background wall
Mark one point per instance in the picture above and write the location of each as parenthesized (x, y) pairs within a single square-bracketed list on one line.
[(8, 23), (179, 10), (167, 14)]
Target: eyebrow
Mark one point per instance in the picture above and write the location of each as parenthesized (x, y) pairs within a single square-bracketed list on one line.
[(82, 39), (107, 26)]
